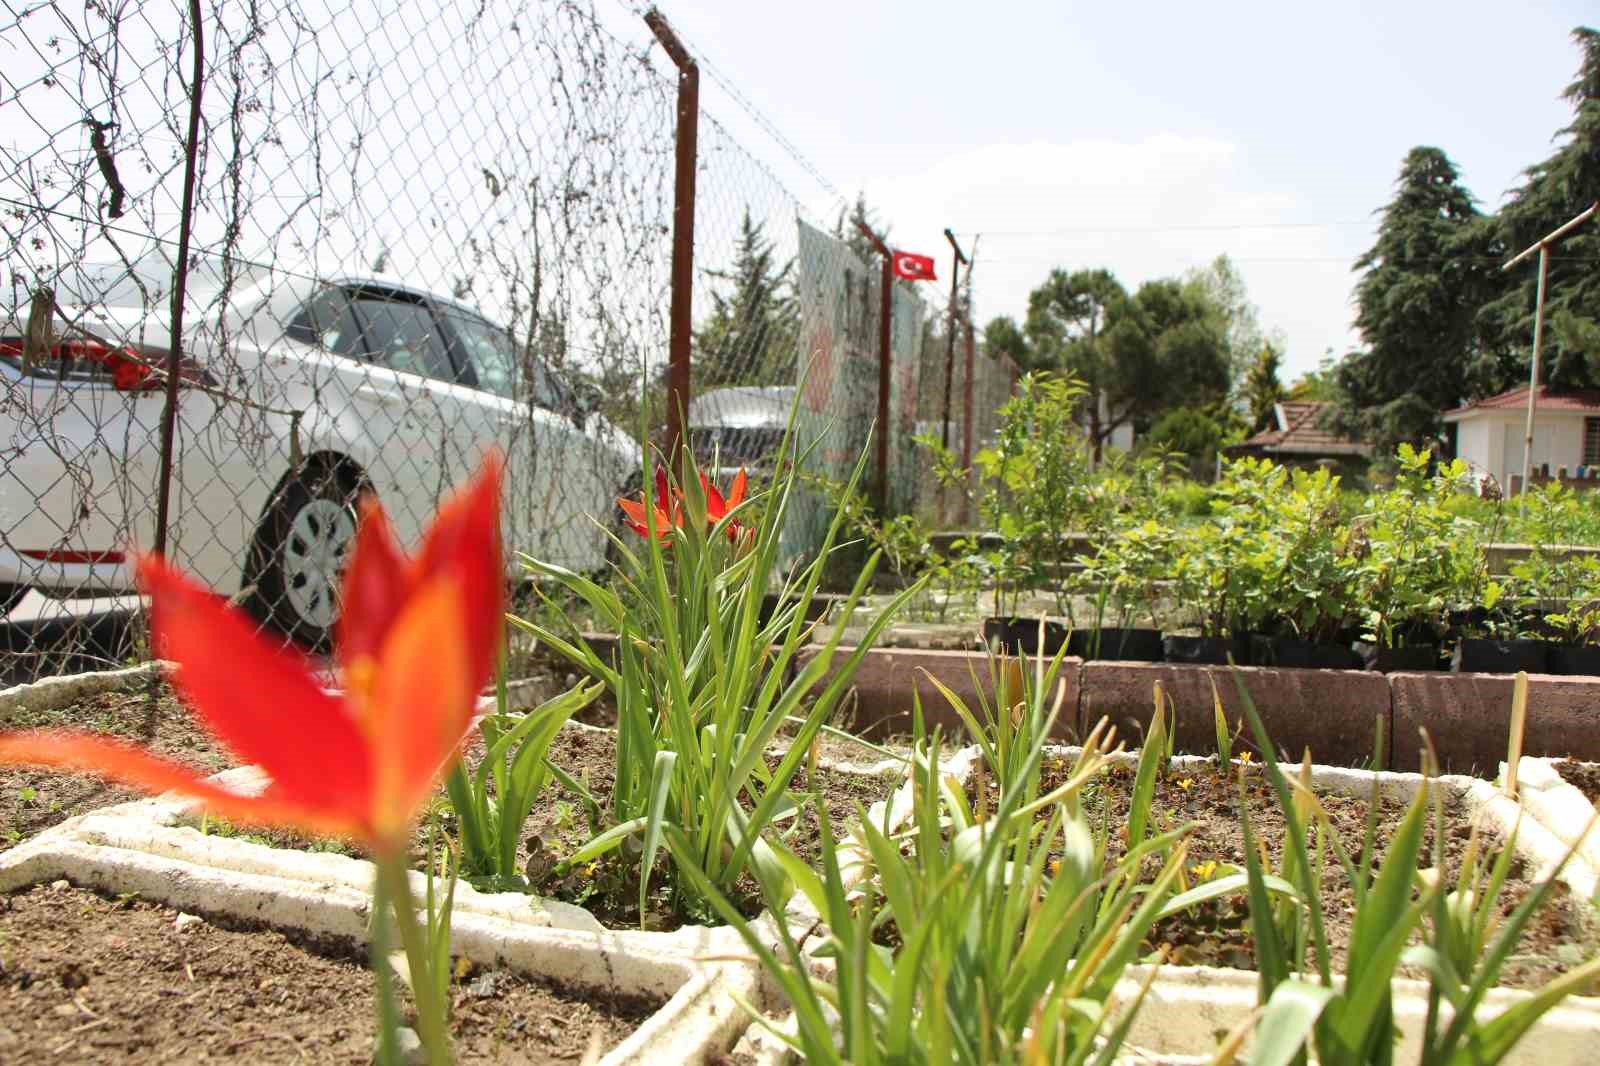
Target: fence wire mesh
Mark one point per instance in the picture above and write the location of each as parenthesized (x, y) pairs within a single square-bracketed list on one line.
[(412, 232)]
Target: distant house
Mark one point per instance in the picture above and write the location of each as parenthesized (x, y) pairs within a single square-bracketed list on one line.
[(1489, 435), (1296, 438)]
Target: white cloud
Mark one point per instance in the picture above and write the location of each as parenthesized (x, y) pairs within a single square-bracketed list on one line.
[(1145, 209)]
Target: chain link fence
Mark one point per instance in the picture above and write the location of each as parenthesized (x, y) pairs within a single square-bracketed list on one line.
[(398, 236)]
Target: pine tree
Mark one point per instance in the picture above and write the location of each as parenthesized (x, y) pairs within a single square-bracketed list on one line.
[(1263, 390), (847, 228), (1421, 286), (751, 334), (1553, 192)]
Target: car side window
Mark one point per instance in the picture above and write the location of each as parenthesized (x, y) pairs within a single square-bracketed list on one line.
[(404, 336), (326, 321), (494, 356)]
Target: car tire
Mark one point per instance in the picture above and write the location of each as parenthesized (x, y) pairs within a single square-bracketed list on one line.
[(10, 596), (302, 548)]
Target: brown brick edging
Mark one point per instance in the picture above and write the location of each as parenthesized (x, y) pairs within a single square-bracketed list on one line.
[(1333, 712)]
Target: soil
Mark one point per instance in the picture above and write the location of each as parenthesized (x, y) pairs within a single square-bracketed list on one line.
[(1218, 932), (148, 714), (151, 715), (609, 890), (1584, 776), (84, 978)]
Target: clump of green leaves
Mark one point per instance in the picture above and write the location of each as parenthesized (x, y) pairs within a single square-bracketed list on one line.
[(492, 802), (1346, 1017), (1412, 549), (704, 683), (983, 937)]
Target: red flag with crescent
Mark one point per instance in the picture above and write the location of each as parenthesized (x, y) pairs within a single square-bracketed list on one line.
[(908, 266)]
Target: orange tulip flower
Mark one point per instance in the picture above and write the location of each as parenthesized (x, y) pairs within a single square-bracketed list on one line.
[(417, 639), (667, 507), (668, 512)]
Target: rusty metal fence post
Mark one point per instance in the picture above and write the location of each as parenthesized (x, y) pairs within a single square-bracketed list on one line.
[(169, 412), (682, 309), (885, 341), (966, 421)]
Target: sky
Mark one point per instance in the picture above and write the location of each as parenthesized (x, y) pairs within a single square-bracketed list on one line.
[(1147, 138)]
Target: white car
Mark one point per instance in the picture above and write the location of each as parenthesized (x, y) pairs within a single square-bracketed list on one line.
[(298, 395)]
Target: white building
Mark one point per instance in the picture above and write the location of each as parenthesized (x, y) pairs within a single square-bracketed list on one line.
[(1489, 433)]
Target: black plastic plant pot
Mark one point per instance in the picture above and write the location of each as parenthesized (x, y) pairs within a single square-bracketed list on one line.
[(1020, 636), (1578, 659), (1117, 645), (1301, 654), (1210, 651), (1406, 659), (1476, 655)]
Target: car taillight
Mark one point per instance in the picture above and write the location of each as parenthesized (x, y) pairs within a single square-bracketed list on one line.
[(131, 368), (66, 555)]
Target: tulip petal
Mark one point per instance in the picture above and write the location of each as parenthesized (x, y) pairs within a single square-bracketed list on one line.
[(376, 584), (716, 506), (117, 761), (663, 498), (736, 492), (464, 544), (257, 697), (422, 701)]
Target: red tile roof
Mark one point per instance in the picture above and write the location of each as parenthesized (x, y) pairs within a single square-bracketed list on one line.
[(1298, 433), (1587, 400)]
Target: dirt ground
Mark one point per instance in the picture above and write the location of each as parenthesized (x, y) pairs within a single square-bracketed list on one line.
[(147, 714), (1218, 932), (84, 978), (1584, 776)]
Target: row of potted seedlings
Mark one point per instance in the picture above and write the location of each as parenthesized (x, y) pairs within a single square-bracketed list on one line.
[(1276, 575)]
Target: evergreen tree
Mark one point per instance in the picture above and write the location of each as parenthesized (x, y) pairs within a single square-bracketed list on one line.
[(1553, 192), (1263, 391), (847, 228), (1002, 336), (1220, 284), (1139, 355), (1416, 302), (750, 337)]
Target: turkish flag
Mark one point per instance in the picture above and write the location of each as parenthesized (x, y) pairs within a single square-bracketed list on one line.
[(909, 266)]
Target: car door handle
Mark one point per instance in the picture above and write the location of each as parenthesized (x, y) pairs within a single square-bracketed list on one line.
[(383, 396)]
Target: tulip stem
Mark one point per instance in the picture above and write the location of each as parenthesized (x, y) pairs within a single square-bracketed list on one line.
[(431, 1028)]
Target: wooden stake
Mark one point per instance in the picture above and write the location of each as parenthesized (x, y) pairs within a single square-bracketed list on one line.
[(1519, 725)]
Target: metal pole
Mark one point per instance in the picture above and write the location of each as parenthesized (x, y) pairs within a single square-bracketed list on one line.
[(1555, 235), (1543, 248), (966, 419), (950, 347), (682, 311), (1533, 371), (169, 412), (885, 321)]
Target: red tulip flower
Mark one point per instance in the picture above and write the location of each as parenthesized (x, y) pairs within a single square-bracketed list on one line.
[(417, 639), (717, 508), (666, 511)]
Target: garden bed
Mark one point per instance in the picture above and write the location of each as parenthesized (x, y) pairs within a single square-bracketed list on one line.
[(95, 978), (1217, 933), (1584, 776), (145, 710), (141, 710)]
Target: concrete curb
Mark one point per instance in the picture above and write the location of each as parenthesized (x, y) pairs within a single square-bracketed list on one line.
[(50, 693)]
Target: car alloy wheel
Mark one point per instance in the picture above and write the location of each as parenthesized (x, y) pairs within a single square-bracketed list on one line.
[(315, 552)]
